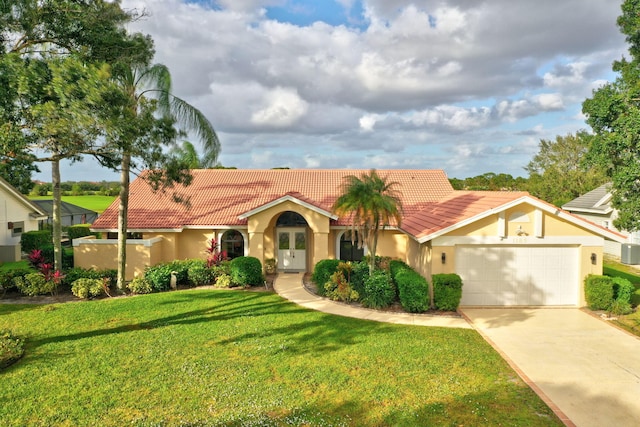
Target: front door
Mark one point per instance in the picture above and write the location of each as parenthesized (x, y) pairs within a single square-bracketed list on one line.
[(292, 249)]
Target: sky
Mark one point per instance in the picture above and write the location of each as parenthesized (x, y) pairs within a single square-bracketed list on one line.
[(467, 86)]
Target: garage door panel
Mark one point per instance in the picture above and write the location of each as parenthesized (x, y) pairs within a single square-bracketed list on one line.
[(518, 275)]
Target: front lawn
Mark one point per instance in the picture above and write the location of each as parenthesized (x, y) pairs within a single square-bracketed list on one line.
[(238, 358), (629, 322)]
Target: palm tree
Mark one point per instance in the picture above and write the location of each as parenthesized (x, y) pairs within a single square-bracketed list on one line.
[(141, 127), (373, 203), (187, 153)]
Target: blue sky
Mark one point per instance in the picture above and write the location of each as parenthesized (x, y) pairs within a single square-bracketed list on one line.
[(465, 86)]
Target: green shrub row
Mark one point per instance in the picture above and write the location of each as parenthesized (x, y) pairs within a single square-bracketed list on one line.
[(413, 288), (241, 271), (76, 273), (33, 284), (613, 294), (80, 230), (379, 291), (447, 291)]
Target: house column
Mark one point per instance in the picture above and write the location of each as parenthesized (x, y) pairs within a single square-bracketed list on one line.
[(320, 247), (256, 245)]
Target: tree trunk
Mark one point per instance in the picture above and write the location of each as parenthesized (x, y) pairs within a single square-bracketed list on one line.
[(374, 244), (123, 211), (57, 221)]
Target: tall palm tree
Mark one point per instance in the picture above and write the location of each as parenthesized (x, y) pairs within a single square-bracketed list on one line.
[(373, 203), (149, 107)]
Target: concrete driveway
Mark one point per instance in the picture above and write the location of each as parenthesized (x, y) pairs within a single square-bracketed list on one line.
[(587, 368)]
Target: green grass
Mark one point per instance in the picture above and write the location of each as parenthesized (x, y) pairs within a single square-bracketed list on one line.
[(629, 322), (95, 203), (234, 358), (18, 265)]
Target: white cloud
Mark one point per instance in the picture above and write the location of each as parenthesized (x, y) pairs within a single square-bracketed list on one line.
[(422, 76)]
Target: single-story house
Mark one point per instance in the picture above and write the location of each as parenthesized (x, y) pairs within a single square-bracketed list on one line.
[(596, 207), (17, 215), (70, 214), (509, 247)]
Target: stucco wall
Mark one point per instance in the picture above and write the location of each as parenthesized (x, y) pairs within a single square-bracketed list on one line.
[(11, 210), (103, 253)]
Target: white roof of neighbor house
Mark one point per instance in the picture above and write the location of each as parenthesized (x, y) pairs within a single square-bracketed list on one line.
[(596, 201)]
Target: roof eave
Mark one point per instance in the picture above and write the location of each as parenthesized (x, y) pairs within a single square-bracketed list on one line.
[(287, 198)]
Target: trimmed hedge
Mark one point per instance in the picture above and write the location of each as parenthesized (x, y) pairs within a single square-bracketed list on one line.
[(159, 276), (359, 274), (79, 230), (31, 240), (67, 256), (598, 292), (413, 289), (447, 291), (246, 271), (379, 290), (322, 273)]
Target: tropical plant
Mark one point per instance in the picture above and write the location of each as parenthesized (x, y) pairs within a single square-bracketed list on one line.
[(141, 124), (373, 204)]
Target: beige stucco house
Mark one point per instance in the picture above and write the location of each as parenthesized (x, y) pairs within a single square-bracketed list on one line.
[(17, 215), (509, 247)]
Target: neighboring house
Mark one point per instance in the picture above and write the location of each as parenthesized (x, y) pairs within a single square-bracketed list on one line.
[(69, 214), (509, 247), (17, 215), (596, 207)]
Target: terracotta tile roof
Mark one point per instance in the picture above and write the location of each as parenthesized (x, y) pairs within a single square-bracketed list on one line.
[(219, 196), (456, 207)]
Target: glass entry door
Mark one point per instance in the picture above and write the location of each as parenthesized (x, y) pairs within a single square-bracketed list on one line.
[(292, 249)]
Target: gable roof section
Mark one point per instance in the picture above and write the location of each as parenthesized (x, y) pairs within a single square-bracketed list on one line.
[(36, 212), (462, 208), (226, 197), (293, 197), (595, 201)]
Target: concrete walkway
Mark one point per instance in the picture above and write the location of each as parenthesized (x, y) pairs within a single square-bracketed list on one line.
[(289, 286), (586, 368)]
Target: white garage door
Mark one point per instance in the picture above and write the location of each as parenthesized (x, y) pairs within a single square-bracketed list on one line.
[(515, 275)]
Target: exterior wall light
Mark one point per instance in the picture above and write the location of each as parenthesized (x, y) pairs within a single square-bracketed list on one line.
[(443, 257), (594, 258)]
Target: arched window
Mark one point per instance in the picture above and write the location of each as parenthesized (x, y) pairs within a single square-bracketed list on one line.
[(232, 243), (291, 219), (349, 250)]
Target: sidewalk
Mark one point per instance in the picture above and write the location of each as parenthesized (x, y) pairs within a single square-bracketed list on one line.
[(289, 286)]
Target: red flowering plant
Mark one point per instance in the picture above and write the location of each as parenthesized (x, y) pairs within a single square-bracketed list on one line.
[(38, 261), (214, 255)]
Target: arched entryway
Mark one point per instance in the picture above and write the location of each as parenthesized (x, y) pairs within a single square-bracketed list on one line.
[(348, 247), (291, 241), (232, 242)]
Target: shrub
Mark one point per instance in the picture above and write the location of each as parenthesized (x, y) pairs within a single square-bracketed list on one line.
[(619, 307), (11, 348), (34, 284), (198, 274), (322, 273), (87, 288), (159, 276), (359, 273), (339, 289), (598, 292), (246, 271), (622, 290), (379, 290), (140, 285), (7, 277), (76, 273), (223, 281), (413, 289), (223, 268), (78, 231), (447, 291), (31, 240), (67, 256)]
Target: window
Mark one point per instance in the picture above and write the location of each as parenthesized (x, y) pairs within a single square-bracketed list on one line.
[(349, 250), (17, 227), (232, 243)]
